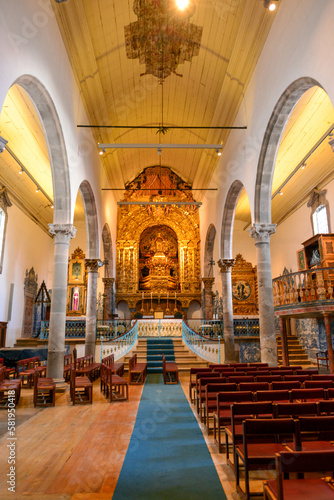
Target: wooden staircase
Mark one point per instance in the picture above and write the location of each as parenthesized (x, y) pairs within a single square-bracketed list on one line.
[(297, 355), (184, 358)]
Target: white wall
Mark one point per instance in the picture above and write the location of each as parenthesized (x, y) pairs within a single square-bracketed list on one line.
[(26, 246)]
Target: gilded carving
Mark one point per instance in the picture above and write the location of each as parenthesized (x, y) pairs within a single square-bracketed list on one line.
[(158, 249), (244, 287)]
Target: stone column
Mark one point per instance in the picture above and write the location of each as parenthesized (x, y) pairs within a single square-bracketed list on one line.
[(92, 267), (261, 234), (329, 343), (208, 282), (62, 234), (30, 292), (284, 341), (108, 297), (225, 266)]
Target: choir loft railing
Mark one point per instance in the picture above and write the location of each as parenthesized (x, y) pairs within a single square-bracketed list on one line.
[(304, 287)]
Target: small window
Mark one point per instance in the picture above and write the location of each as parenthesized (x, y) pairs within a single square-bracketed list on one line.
[(320, 220)]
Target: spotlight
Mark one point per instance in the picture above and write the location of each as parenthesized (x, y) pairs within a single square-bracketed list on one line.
[(102, 151), (3, 143), (21, 171), (303, 166), (270, 4), (182, 4), (159, 151), (280, 193), (37, 189), (219, 153)]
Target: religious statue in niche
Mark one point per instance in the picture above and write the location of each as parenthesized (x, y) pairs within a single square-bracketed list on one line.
[(158, 259), (77, 284)]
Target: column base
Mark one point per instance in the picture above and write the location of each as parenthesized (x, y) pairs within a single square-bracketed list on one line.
[(61, 385)]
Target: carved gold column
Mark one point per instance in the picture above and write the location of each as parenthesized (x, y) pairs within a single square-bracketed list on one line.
[(225, 266), (208, 283), (108, 300), (92, 268), (261, 234)]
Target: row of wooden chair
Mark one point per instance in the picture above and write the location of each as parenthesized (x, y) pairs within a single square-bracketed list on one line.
[(113, 386), (25, 369), (116, 368), (85, 366), (263, 438)]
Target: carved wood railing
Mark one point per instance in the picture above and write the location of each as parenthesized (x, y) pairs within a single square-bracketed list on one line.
[(304, 287)]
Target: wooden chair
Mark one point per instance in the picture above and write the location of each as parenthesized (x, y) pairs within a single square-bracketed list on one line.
[(222, 413), (295, 410), (10, 372), (285, 385), (67, 366), (237, 379), (254, 386), (268, 378), (307, 394), (214, 375), (283, 488), (170, 372), (240, 412), (112, 385), (322, 384), (210, 402), (272, 396), (261, 440), (192, 379), (322, 356), (201, 391), (81, 388), (44, 390), (325, 407), (316, 434), (8, 388)]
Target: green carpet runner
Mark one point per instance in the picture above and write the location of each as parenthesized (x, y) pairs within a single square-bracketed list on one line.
[(167, 458), (155, 348)]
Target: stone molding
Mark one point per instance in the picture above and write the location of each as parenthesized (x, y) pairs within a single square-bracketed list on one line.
[(63, 233), (93, 265)]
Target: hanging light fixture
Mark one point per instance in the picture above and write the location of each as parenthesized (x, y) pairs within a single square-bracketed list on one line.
[(270, 4)]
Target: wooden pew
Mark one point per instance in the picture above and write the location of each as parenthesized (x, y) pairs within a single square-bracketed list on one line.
[(85, 366), (170, 372), (137, 371)]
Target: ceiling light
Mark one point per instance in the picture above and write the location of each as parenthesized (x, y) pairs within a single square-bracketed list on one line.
[(303, 166), (3, 143), (280, 193), (219, 153), (270, 4), (37, 189), (21, 171), (182, 4), (102, 151)]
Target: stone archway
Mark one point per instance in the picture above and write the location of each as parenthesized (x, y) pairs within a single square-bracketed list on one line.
[(262, 229), (91, 220), (56, 146), (228, 220), (270, 145)]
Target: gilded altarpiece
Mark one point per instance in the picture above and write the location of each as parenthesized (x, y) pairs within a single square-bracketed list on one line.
[(158, 247), (76, 284), (244, 287)]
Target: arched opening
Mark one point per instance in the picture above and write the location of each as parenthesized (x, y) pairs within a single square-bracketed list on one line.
[(91, 220)]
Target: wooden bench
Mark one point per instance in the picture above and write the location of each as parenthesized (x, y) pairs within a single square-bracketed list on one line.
[(112, 385), (137, 371), (44, 390), (85, 366), (170, 372), (7, 387), (10, 372), (117, 368)]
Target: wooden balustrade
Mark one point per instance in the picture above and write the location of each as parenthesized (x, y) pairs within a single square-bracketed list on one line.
[(304, 287)]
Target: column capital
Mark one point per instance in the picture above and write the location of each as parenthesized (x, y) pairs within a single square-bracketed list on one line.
[(225, 265), (63, 233), (261, 232), (208, 282), (93, 265), (108, 281)]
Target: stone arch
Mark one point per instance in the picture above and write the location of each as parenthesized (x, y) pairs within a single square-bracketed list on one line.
[(228, 219), (91, 220), (270, 144), (107, 251), (208, 250), (56, 146)]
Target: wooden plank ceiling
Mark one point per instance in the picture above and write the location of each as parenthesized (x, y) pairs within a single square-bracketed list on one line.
[(207, 91)]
